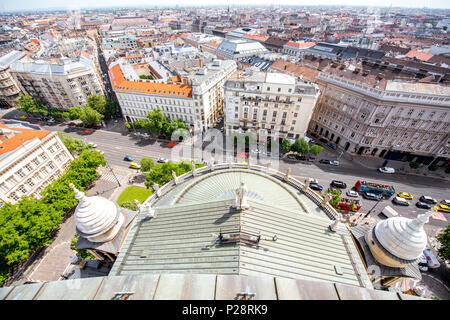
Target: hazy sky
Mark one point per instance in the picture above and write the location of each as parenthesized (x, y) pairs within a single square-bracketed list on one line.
[(7, 5)]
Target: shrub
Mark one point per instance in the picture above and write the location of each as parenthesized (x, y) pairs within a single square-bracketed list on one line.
[(128, 205), (433, 167), (414, 165)]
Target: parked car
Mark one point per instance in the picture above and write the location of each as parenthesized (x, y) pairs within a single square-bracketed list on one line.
[(446, 202), (324, 161), (99, 151), (352, 193), (162, 160), (134, 165), (257, 151), (405, 195), (128, 158), (334, 162), (423, 205), (316, 186), (386, 170), (400, 201), (432, 261), (313, 180), (442, 207), (423, 264), (428, 199), (332, 146), (71, 123), (92, 145), (372, 196), (338, 184)]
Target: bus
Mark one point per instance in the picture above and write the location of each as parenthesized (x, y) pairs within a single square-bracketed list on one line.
[(385, 190), (345, 204)]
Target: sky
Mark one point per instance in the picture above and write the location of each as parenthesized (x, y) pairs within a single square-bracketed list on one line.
[(10, 5)]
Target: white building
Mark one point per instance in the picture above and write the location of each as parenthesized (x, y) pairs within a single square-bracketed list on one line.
[(120, 42), (29, 161), (297, 49), (9, 89), (58, 85), (269, 102), (196, 98), (238, 49)]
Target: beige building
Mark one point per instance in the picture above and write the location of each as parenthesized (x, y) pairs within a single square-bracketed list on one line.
[(269, 102), (404, 119), (29, 161), (9, 90), (59, 85)]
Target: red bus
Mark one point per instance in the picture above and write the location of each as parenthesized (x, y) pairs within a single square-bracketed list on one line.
[(345, 204)]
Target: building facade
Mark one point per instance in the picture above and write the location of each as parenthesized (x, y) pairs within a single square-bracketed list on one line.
[(29, 161), (122, 42), (405, 119), (269, 102), (60, 86), (9, 90)]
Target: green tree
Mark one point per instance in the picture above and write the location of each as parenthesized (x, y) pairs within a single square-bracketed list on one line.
[(75, 146), (286, 144), (26, 104), (414, 164), (336, 197), (146, 164), (90, 116), (300, 146), (112, 109), (98, 103), (444, 239), (82, 253), (157, 121), (315, 149), (162, 172), (75, 112), (174, 125)]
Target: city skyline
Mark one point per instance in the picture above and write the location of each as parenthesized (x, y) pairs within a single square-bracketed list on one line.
[(28, 5)]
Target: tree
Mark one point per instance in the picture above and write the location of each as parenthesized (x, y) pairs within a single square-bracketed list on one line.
[(336, 197), (162, 172), (174, 125), (98, 103), (444, 239), (157, 121), (82, 253), (286, 144), (315, 149), (142, 123), (112, 109), (27, 104), (75, 112), (75, 146), (90, 116), (146, 164), (300, 146), (414, 164)]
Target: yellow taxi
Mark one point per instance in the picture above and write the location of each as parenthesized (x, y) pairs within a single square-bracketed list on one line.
[(442, 207), (134, 165), (99, 151), (23, 117), (405, 195)]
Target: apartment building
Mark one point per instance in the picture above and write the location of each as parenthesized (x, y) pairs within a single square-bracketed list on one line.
[(58, 85), (297, 49), (9, 90), (121, 42), (391, 119), (196, 98), (269, 102), (29, 161), (240, 48)]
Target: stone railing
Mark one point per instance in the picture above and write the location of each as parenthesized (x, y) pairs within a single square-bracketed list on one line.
[(311, 194)]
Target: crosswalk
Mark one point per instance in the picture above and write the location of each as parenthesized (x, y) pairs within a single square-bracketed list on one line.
[(109, 177)]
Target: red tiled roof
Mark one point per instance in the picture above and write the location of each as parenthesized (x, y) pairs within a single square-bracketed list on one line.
[(423, 56), (301, 45), (19, 139), (119, 83), (256, 37)]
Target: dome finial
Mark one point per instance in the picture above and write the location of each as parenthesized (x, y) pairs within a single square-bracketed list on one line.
[(421, 219), (78, 194)]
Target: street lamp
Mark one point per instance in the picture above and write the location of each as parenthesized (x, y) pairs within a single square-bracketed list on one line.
[(118, 182)]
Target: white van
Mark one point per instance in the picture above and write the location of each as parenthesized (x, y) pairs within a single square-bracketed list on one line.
[(389, 212), (432, 261)]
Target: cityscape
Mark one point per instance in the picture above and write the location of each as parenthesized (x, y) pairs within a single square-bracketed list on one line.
[(241, 151)]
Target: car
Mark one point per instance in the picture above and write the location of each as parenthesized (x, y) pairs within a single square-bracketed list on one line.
[(323, 140), (256, 151), (400, 201), (428, 199), (446, 202), (162, 160), (332, 146), (99, 151), (432, 261), (79, 125), (338, 184), (423, 205), (92, 145), (386, 170), (352, 193), (134, 165), (316, 186), (313, 180), (222, 129), (324, 161), (442, 207), (23, 117), (405, 195), (372, 196), (423, 264), (334, 162), (71, 123), (128, 158)]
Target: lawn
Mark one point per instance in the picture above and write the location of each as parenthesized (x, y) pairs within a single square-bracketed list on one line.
[(133, 192)]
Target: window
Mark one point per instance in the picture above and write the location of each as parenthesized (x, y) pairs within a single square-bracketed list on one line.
[(279, 89), (11, 180), (410, 112), (43, 156), (22, 189), (14, 196), (4, 187), (30, 183), (29, 168), (44, 172), (36, 162), (20, 173), (37, 177), (51, 150)]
